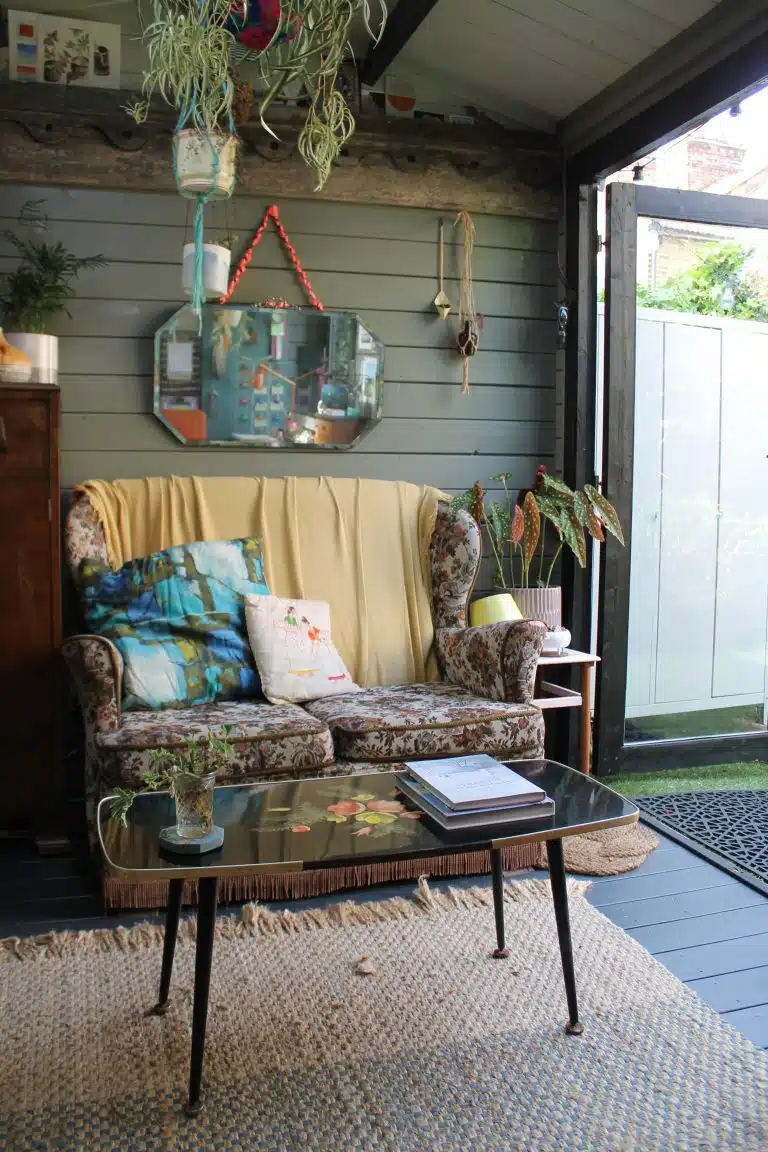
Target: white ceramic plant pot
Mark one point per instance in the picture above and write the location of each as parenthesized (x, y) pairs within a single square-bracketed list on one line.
[(43, 352), (215, 270), (204, 165), (541, 604)]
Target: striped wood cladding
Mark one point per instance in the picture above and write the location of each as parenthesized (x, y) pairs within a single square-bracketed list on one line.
[(379, 261)]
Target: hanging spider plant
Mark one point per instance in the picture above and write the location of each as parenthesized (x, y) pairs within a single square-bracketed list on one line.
[(189, 50), (308, 46)]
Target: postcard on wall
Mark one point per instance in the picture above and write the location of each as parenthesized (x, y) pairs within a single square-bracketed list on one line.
[(63, 50)]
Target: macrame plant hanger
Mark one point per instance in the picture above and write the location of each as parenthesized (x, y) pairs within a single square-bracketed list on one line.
[(272, 213), (187, 117), (467, 340)]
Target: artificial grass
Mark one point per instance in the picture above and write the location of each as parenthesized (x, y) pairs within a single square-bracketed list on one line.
[(702, 722), (753, 774)]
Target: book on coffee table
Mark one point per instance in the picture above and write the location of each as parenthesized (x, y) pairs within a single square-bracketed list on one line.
[(478, 817), (466, 783)]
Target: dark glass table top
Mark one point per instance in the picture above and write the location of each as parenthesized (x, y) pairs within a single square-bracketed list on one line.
[(339, 820)]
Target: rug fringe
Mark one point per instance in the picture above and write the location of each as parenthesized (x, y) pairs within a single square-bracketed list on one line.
[(256, 920)]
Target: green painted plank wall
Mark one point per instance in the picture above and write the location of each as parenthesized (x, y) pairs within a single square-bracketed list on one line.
[(381, 262)]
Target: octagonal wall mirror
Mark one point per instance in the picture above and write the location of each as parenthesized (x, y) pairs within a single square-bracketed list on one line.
[(267, 378)]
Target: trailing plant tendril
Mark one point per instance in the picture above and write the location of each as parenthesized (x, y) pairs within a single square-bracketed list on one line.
[(309, 46)]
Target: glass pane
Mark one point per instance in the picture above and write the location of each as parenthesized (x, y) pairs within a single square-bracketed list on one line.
[(699, 561)]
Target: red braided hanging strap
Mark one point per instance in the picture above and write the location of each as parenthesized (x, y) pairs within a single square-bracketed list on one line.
[(272, 213)]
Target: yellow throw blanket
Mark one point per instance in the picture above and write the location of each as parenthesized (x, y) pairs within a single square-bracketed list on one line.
[(362, 545)]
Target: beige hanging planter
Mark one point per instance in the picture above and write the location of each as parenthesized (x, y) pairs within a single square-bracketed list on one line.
[(205, 163)]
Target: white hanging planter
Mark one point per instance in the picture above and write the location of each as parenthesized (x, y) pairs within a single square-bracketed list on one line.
[(215, 270), (204, 164), (43, 353)]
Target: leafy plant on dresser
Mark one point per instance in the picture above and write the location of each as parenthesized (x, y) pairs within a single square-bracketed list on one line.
[(39, 288)]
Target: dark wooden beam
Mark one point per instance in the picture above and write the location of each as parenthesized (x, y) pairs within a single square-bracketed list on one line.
[(618, 451), (579, 416), (83, 137), (400, 27), (692, 103)]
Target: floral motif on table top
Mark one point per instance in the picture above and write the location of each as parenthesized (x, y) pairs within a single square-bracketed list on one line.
[(365, 814)]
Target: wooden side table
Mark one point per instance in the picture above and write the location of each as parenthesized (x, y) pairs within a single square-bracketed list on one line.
[(548, 695)]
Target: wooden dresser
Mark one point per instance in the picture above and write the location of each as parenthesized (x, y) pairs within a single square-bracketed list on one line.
[(30, 606)]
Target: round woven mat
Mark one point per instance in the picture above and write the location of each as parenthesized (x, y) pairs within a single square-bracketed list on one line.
[(608, 852)]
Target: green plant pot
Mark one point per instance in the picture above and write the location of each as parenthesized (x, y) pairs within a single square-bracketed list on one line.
[(492, 609)]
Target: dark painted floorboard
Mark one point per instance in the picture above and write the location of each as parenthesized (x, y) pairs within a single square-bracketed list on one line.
[(717, 959), (732, 990), (642, 886), (710, 929), (681, 907), (752, 1022)]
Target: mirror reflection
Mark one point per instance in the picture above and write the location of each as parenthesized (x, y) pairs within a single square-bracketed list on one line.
[(267, 377)]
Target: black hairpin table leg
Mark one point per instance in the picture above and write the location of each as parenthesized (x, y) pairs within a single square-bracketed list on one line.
[(172, 913), (560, 898), (206, 928), (500, 952)]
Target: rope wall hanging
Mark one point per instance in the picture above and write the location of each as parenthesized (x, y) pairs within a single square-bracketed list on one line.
[(272, 213), (468, 338)]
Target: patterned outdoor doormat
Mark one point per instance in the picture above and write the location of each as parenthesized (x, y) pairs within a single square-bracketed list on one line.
[(431, 1046), (731, 826)]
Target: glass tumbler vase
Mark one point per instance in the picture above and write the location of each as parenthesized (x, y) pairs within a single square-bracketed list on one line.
[(194, 805)]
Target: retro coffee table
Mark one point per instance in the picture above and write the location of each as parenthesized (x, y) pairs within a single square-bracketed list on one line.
[(330, 823)]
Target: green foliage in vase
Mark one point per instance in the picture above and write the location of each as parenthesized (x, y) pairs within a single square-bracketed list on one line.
[(717, 285), (515, 531), (189, 46), (39, 288), (189, 758), (308, 48)]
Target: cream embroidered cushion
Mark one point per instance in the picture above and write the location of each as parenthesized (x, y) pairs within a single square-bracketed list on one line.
[(292, 647)]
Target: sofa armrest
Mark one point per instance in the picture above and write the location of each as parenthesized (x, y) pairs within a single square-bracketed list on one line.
[(497, 661), (97, 668)]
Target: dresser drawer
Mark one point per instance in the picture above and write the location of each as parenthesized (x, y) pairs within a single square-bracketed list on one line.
[(25, 434)]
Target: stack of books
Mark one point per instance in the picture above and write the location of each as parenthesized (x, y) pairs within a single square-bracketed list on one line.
[(473, 791)]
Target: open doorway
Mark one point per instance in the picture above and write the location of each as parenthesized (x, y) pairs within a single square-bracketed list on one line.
[(681, 445)]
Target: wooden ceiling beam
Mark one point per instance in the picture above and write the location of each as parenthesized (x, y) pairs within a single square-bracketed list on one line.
[(400, 27), (83, 137)]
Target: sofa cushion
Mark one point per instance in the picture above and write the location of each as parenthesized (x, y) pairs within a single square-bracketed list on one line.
[(178, 619), (415, 720), (271, 740), (294, 653)]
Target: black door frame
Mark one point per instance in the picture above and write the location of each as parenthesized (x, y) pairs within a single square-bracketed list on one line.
[(742, 70), (626, 203)]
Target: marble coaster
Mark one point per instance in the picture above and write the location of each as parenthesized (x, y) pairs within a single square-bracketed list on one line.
[(172, 842)]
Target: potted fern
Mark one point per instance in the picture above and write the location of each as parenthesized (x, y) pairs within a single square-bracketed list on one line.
[(188, 771), (36, 292)]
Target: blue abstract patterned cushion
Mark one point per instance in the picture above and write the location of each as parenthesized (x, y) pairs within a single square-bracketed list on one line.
[(178, 619)]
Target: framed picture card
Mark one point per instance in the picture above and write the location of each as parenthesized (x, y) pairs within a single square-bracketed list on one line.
[(63, 50)]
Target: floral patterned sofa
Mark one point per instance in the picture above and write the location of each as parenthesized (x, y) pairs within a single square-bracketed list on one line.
[(482, 704)]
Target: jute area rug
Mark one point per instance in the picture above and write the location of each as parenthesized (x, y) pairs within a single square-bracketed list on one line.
[(427, 1045)]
